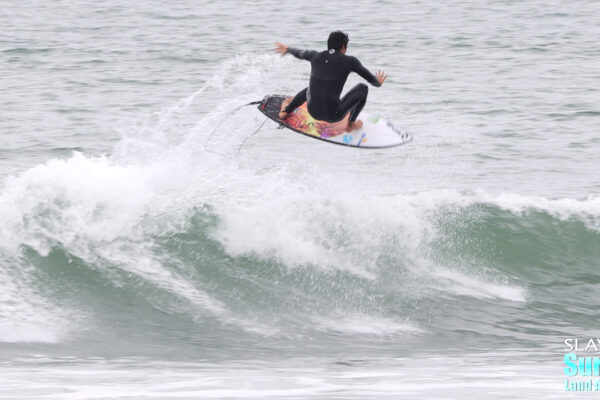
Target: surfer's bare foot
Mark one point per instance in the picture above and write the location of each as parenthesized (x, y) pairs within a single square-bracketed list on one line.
[(282, 113), (352, 126)]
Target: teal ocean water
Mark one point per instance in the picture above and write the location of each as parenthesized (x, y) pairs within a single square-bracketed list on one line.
[(144, 254)]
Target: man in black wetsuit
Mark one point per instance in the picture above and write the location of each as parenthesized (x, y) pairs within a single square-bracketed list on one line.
[(329, 71)]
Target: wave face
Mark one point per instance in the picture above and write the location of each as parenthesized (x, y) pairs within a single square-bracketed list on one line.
[(192, 232)]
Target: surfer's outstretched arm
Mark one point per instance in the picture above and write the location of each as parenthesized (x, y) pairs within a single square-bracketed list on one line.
[(367, 75), (301, 54)]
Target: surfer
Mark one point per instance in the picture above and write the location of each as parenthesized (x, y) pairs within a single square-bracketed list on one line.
[(329, 71)]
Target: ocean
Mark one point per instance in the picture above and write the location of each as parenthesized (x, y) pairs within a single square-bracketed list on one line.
[(152, 246)]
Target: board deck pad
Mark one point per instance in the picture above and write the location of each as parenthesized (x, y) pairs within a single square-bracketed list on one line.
[(375, 133)]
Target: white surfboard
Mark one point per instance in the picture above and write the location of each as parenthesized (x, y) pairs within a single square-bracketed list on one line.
[(375, 132)]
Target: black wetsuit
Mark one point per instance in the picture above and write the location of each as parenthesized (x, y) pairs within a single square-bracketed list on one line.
[(329, 71)]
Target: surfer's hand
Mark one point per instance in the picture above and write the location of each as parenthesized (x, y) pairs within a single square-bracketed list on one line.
[(281, 48), (381, 76)]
